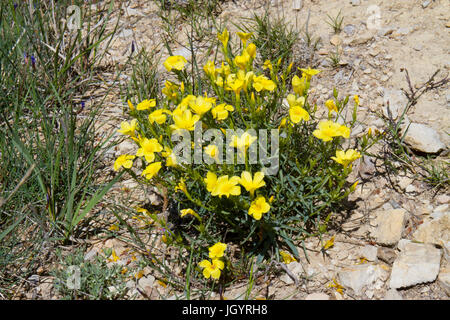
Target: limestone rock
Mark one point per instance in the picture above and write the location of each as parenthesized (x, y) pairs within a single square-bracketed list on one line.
[(336, 40), (362, 277), (393, 294), (386, 254), (317, 296), (390, 226), (444, 280), (423, 138), (416, 263), (436, 231), (369, 252), (146, 283)]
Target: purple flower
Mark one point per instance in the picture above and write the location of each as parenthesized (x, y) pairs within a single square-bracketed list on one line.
[(33, 61), (83, 104)]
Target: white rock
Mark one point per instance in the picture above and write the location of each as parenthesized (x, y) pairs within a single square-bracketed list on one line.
[(125, 33), (423, 138), (410, 189), (390, 226), (436, 231), (361, 277), (393, 294), (146, 283), (369, 252), (403, 182), (317, 296), (446, 246), (297, 5), (443, 199), (296, 269), (444, 280), (349, 29), (355, 2), (126, 147), (426, 3), (441, 208), (336, 40), (416, 263)]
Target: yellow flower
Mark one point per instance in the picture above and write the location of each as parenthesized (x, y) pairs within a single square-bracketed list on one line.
[(146, 104), (353, 187), (344, 131), (308, 73), (287, 257), (210, 69), (114, 257), (224, 37), (331, 105), (212, 151), (242, 142), (185, 212), (217, 250), (299, 85), (297, 113), (170, 90), (242, 60), (224, 70), (329, 243), (252, 184), (337, 286), (125, 161), (356, 98), (181, 186), (158, 116), (200, 105), (114, 227), (185, 101), (143, 210), (151, 170), (293, 101), (251, 50), (171, 159), (258, 207), (226, 187), (211, 181), (235, 84), (263, 83), (267, 65), (220, 112), (130, 105), (175, 62), (282, 123), (347, 157), (212, 269), (329, 129), (244, 37), (128, 128), (183, 119), (148, 149)]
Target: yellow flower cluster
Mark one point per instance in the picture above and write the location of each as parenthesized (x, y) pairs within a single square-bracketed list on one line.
[(213, 268), (239, 95)]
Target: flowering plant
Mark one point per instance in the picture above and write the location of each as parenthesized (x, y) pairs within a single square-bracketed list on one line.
[(242, 202)]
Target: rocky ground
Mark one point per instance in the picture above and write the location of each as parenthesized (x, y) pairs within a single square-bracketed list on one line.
[(395, 244)]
